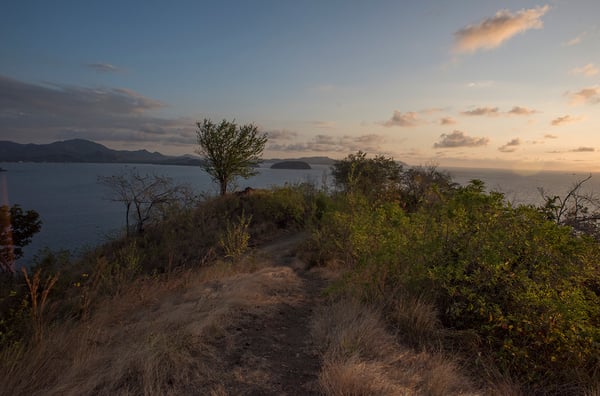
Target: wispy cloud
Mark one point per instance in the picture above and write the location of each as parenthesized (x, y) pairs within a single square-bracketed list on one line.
[(550, 136), (567, 119), (576, 40), (481, 84), (410, 119), (459, 139), (103, 67), (583, 150), (282, 134), (447, 121), (482, 111), (492, 32), (521, 111), (329, 143), (588, 70), (589, 95), (43, 112), (510, 146)]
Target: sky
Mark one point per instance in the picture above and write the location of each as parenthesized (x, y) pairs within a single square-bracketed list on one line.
[(495, 84)]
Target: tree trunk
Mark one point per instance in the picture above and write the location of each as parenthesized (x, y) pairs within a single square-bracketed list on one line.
[(223, 185)]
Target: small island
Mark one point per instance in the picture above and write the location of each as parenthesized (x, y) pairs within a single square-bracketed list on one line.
[(291, 165)]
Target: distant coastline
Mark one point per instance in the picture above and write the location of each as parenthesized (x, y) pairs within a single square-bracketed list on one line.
[(86, 151), (291, 165)]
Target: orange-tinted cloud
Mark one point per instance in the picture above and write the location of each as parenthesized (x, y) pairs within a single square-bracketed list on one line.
[(409, 119), (523, 111), (447, 121), (482, 111), (510, 146), (567, 119), (587, 70), (492, 32), (459, 139), (589, 95)]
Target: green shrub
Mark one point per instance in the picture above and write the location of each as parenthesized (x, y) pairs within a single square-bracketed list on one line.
[(526, 286)]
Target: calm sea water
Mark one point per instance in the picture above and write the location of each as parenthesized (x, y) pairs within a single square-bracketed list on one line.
[(77, 214), (74, 208)]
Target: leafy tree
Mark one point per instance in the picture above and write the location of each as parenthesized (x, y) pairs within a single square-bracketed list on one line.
[(16, 230), (372, 177), (230, 150), (141, 194), (423, 184)]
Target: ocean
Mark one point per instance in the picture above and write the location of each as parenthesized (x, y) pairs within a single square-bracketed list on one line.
[(77, 214)]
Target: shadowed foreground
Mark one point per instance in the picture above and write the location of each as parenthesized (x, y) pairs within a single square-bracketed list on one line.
[(221, 331)]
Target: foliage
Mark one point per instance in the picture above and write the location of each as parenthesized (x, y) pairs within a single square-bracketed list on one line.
[(373, 177), (528, 287), (229, 150), (234, 241), (16, 231), (142, 195), (38, 294), (424, 185)]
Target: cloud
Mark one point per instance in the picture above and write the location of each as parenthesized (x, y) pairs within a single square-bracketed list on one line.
[(103, 67), (576, 40), (510, 146), (447, 121), (282, 134), (481, 84), (583, 150), (589, 95), (524, 111), (460, 139), (410, 119), (550, 136), (482, 111), (567, 119), (588, 70), (492, 32), (34, 112), (331, 144)]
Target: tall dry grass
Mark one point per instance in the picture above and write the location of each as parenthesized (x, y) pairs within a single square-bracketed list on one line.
[(361, 357), (161, 336)]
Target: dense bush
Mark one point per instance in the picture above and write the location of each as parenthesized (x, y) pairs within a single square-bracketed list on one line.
[(527, 286)]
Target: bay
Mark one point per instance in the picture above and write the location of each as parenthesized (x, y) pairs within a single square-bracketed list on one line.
[(75, 210), (76, 213)]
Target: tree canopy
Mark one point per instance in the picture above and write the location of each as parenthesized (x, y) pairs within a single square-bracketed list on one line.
[(369, 176), (230, 150), (16, 230)]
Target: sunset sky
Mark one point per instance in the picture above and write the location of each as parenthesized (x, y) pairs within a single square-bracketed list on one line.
[(513, 84)]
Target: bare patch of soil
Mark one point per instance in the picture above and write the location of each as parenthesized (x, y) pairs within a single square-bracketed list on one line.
[(268, 350)]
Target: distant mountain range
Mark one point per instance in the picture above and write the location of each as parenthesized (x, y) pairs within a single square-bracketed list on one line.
[(81, 150)]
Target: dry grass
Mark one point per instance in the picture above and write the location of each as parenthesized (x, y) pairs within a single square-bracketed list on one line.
[(158, 337), (360, 357), (416, 321)]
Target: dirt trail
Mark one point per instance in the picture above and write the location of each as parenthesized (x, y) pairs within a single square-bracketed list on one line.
[(270, 352)]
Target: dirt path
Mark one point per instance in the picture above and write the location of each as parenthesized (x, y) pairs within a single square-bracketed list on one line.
[(271, 352)]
